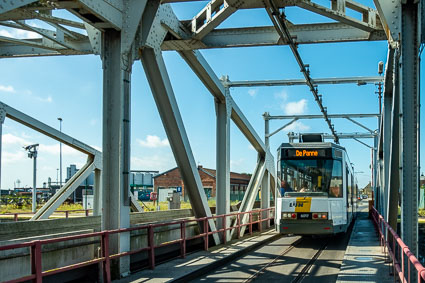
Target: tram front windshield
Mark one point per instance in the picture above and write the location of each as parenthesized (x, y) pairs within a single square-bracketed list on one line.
[(317, 177)]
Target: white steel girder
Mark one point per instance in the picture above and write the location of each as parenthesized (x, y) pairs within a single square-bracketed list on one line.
[(394, 175), (294, 82), (93, 163), (223, 112), (205, 73), (410, 129), (70, 186), (265, 198), (251, 194), (369, 15), (7, 6), (213, 14), (386, 130), (116, 199), (267, 36), (390, 15), (162, 91), (292, 135)]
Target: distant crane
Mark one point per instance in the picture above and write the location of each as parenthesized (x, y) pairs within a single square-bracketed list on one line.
[(32, 153)]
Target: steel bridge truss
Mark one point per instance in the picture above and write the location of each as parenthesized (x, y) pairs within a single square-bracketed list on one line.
[(123, 31), (94, 163)]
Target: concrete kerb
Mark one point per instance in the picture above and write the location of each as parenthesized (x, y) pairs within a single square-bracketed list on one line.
[(226, 259)]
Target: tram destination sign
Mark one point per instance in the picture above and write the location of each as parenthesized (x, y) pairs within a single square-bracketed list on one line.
[(307, 153)]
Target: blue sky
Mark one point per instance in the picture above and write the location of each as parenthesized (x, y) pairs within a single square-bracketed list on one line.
[(70, 87)]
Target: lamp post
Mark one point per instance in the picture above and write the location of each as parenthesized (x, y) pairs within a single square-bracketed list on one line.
[(60, 153), (32, 153)]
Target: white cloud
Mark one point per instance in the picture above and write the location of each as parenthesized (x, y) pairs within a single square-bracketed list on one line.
[(283, 96), (9, 139), (93, 122), (8, 88), (12, 157), (19, 33), (153, 142), (236, 164), (297, 127), (47, 99), (155, 162), (295, 107), (55, 149), (252, 92), (5, 33)]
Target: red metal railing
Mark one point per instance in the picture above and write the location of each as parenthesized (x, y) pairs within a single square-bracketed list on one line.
[(16, 214), (105, 258), (397, 250)]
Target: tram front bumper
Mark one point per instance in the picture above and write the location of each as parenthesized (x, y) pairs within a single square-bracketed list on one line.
[(306, 227)]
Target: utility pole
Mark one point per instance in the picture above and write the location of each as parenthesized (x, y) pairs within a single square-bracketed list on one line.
[(379, 92), (60, 153), (32, 153)]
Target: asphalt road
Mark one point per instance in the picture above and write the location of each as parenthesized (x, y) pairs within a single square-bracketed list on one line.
[(285, 260)]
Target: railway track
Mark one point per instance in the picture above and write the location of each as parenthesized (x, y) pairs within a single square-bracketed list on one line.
[(264, 268), (304, 271)]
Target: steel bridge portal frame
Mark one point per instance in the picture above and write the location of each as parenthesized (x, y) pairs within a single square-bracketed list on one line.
[(125, 31)]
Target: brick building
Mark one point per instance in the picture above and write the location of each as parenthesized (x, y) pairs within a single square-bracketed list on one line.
[(170, 180)]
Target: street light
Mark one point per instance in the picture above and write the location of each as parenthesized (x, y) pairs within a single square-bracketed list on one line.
[(60, 153), (32, 153)]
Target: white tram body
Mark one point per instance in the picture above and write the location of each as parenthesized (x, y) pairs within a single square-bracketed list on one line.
[(319, 193)]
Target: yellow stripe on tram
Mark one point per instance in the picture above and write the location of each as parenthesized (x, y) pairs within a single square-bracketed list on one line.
[(303, 204)]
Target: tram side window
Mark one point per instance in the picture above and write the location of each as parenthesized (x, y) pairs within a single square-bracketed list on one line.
[(335, 188)]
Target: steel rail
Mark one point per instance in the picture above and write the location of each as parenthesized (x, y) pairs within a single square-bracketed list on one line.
[(261, 271), (304, 272), (283, 31)]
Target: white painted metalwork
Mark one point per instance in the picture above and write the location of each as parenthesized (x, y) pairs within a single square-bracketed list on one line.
[(122, 31), (356, 80)]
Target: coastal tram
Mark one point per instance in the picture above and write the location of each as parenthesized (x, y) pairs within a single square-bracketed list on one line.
[(318, 191)]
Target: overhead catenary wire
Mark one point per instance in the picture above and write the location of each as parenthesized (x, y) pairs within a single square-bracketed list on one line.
[(278, 20)]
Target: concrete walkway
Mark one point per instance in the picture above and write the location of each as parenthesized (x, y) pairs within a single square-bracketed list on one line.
[(198, 263), (363, 260)]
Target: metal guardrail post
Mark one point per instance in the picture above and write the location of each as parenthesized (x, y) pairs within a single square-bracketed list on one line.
[(238, 225), (224, 229), (151, 245), (105, 254), (66, 214), (260, 221), (15, 217), (36, 267), (268, 218), (206, 234), (87, 212), (183, 237), (250, 223)]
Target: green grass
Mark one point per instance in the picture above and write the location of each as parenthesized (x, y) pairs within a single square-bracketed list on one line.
[(148, 205), (13, 208)]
